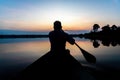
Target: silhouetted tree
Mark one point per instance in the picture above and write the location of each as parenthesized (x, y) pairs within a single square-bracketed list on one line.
[(118, 28), (96, 27), (114, 27), (106, 28)]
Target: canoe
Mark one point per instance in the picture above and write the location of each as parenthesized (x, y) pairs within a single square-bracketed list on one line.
[(54, 66)]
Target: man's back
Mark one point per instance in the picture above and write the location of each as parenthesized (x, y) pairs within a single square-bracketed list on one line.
[(58, 40)]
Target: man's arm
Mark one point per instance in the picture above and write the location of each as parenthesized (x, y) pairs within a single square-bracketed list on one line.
[(70, 39)]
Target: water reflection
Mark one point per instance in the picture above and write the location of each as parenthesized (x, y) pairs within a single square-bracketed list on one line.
[(16, 55), (23, 51), (96, 43)]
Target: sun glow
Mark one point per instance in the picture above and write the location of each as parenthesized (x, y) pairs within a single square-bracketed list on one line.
[(62, 15), (39, 15)]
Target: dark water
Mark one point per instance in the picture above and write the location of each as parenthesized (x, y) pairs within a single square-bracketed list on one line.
[(17, 54)]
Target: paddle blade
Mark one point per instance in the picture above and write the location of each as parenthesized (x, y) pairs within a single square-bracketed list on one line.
[(90, 58)]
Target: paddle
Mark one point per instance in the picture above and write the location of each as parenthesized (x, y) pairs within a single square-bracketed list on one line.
[(89, 57)]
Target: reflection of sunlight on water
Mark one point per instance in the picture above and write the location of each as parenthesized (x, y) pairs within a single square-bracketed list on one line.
[(75, 51), (24, 53), (106, 56)]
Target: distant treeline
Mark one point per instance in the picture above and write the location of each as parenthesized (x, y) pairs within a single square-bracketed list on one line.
[(31, 36), (106, 32), (23, 36), (107, 35)]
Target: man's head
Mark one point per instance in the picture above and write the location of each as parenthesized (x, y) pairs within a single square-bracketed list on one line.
[(57, 25)]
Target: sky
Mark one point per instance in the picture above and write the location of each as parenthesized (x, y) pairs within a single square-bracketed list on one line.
[(39, 15)]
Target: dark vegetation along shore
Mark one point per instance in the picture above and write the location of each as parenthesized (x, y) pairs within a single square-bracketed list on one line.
[(106, 33), (31, 36), (23, 36)]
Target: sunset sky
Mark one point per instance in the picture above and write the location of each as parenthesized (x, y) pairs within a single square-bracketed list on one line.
[(74, 14)]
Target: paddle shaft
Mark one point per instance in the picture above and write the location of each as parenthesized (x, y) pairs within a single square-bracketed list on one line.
[(89, 57), (77, 45)]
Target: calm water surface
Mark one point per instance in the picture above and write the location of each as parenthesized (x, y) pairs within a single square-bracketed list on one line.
[(16, 54)]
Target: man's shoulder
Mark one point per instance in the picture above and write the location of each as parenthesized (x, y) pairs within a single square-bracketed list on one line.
[(58, 32), (51, 33)]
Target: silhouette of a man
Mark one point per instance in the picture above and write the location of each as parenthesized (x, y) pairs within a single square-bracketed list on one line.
[(58, 38)]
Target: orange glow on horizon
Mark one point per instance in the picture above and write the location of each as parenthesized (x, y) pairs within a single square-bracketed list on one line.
[(40, 26), (47, 25)]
